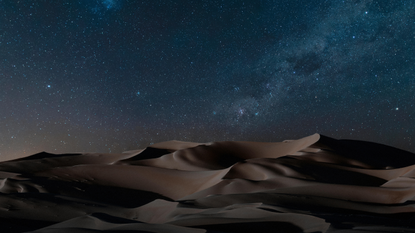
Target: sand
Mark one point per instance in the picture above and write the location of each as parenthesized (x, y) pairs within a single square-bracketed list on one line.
[(313, 184)]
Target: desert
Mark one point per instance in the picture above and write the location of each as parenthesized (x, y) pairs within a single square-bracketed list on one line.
[(312, 184)]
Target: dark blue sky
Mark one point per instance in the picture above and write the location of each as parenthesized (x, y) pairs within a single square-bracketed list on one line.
[(110, 76)]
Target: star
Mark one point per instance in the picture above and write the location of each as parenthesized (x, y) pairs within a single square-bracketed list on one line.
[(263, 66)]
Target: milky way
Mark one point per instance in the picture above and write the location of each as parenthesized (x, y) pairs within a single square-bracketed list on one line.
[(110, 76)]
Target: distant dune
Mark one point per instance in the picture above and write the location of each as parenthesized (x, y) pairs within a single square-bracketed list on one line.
[(313, 184)]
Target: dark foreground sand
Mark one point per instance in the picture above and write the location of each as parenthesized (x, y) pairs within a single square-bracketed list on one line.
[(314, 184)]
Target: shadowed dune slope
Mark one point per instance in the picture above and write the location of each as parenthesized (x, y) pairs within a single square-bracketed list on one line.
[(313, 184)]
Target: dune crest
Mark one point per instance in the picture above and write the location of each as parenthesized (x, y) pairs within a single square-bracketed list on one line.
[(313, 184)]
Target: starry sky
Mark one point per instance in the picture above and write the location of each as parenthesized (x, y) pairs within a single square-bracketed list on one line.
[(117, 75)]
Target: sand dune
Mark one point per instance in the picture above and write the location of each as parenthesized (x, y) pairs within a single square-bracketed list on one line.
[(313, 184)]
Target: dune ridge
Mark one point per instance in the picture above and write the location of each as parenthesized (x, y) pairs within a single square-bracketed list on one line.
[(313, 184)]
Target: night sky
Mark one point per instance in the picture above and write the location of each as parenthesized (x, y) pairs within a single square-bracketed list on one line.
[(117, 75)]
